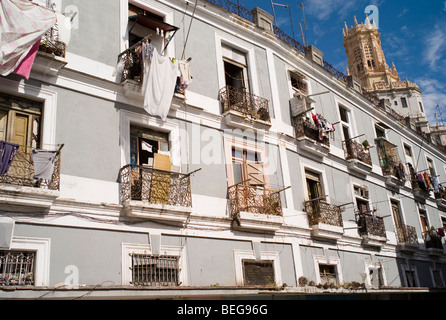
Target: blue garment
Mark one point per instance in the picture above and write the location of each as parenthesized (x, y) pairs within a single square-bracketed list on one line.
[(7, 154)]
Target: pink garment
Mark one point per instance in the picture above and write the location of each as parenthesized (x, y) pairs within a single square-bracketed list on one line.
[(22, 24), (26, 65)]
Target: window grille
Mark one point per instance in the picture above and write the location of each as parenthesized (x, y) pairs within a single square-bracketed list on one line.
[(155, 271), (258, 273), (17, 268)]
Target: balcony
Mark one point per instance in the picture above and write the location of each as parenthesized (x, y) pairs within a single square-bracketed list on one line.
[(392, 167), (51, 55), (244, 110), (358, 158), (255, 208), (371, 229), (440, 197), (310, 137), (19, 188), (155, 194), (407, 239), (325, 219), (432, 241)]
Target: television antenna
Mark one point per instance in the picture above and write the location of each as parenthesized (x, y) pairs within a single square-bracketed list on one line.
[(302, 5), (289, 10)]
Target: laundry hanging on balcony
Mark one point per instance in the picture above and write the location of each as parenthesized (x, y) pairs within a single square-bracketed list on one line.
[(8, 152), (159, 80), (22, 24), (325, 127), (44, 164)]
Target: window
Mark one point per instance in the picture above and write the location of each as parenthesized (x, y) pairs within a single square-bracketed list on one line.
[(380, 132), (397, 215), (17, 268), (247, 167), (327, 274), (20, 122), (145, 143), (362, 199), (421, 107), (235, 68), (431, 168), (345, 121), (395, 102), (258, 273), (314, 186), (424, 221), (404, 102), (155, 270), (410, 278), (143, 23), (298, 83)]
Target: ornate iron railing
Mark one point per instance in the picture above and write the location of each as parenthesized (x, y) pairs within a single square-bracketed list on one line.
[(338, 74), (132, 65), (305, 127), (433, 240), (254, 199), (296, 44), (319, 211), (50, 43), (139, 183), (246, 103), (407, 234), (17, 268), (371, 225), (355, 150), (234, 8), (21, 172)]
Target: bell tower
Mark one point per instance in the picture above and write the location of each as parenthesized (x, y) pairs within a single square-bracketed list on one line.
[(366, 60)]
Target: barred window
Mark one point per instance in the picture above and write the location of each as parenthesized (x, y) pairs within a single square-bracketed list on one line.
[(155, 271), (258, 273), (17, 268), (328, 274)]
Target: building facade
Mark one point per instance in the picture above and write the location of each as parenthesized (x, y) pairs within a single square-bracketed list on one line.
[(269, 171)]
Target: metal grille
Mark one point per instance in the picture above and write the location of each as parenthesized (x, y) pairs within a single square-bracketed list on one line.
[(407, 234), (50, 43), (246, 103), (155, 271), (322, 212), (355, 150), (155, 186), (258, 273), (254, 199), (17, 268), (371, 225)]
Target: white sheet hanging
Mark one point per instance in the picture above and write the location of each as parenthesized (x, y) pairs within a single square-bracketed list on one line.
[(160, 76), (22, 24)]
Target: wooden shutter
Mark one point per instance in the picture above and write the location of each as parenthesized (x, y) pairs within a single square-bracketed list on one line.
[(255, 173), (3, 123), (160, 181)]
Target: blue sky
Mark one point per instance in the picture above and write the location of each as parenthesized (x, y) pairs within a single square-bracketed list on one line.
[(413, 36)]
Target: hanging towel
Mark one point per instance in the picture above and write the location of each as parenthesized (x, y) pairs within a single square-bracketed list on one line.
[(159, 84), (7, 154), (22, 24), (44, 164), (64, 25), (435, 184)]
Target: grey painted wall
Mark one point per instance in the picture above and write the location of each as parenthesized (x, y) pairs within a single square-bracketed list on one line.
[(89, 128), (89, 39)]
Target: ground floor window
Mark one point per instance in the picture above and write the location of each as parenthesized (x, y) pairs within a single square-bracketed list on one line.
[(155, 270), (17, 268), (327, 274), (258, 273)]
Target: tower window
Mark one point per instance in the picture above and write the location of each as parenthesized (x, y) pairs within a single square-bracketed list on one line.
[(404, 102), (421, 107)]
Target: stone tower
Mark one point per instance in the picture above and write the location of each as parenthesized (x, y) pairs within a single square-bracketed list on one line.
[(367, 63)]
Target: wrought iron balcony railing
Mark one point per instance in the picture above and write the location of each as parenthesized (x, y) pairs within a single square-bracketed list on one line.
[(21, 172), (433, 240), (246, 103), (305, 127), (132, 65), (407, 234), (139, 183), (319, 211), (371, 225), (254, 199), (51, 44), (355, 150)]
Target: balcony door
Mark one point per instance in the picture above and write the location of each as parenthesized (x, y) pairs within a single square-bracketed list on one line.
[(314, 186), (247, 167), (398, 220)]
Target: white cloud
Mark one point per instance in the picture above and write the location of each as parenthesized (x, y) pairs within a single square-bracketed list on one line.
[(435, 46), (324, 9), (434, 93)]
